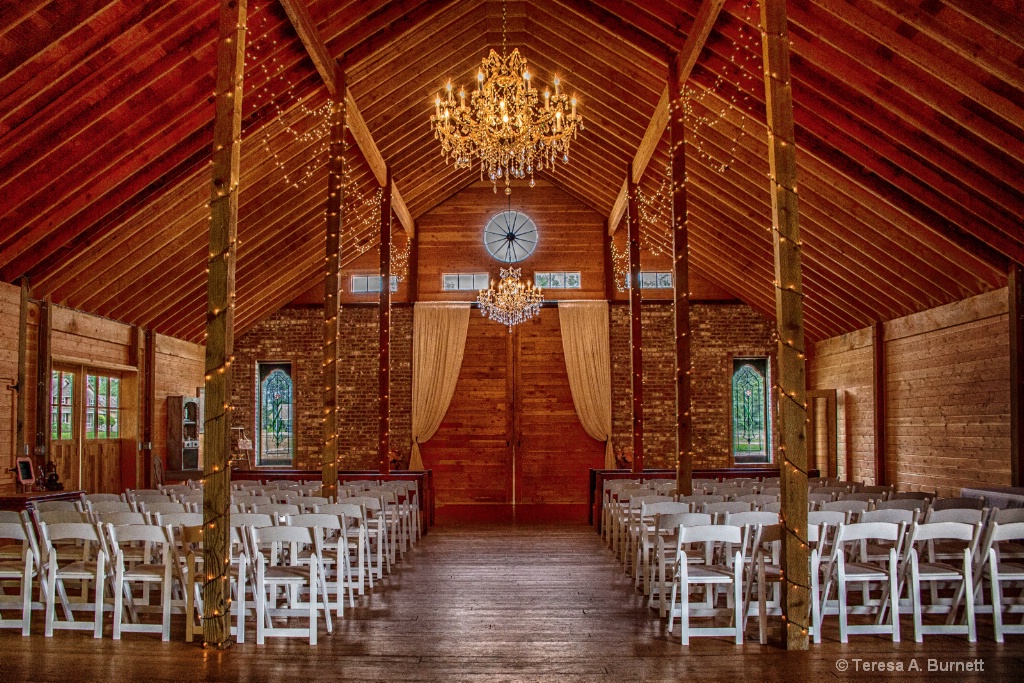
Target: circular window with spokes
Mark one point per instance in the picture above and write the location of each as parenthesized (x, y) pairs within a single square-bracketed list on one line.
[(510, 236)]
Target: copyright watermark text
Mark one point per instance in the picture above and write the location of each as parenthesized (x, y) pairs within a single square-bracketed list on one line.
[(922, 664)]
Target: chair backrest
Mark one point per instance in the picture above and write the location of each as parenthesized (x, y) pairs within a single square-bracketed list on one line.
[(878, 531), (176, 489), (771, 490), (282, 534), (251, 519), (757, 499), (353, 510), (130, 533), (850, 506), (368, 503), (962, 515), (280, 510), (637, 502), (121, 517), (62, 516), (866, 497), (697, 499), (895, 516), (66, 531), (829, 517), (722, 508), (1008, 516), (109, 506), (955, 531), (663, 508), (749, 518), (176, 519), (772, 507), (902, 504), (709, 533), (55, 505), (819, 498), (677, 519), (312, 501), (285, 495), (958, 503), (1013, 531), (103, 498), (163, 507), (832, 490), (910, 495), (317, 520)]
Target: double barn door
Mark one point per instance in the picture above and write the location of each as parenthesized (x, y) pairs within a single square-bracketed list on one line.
[(511, 445)]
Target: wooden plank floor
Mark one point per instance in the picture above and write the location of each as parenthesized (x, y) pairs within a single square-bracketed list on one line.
[(495, 603)]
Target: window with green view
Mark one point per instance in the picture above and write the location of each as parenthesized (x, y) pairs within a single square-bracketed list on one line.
[(751, 415)]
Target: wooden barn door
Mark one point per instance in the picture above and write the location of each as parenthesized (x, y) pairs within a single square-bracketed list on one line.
[(510, 445)]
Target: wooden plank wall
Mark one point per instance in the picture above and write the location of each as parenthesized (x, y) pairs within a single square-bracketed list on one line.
[(553, 465), (948, 395), (469, 453), (179, 372), (92, 339), (570, 237), (844, 363)]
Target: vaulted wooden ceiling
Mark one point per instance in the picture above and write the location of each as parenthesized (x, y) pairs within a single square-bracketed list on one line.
[(909, 129)]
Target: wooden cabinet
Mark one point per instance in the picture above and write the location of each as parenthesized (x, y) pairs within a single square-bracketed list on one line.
[(182, 433)]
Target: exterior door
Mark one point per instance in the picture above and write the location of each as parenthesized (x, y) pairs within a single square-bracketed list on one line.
[(510, 445)]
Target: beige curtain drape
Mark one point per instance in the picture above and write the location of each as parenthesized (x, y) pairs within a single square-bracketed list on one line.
[(588, 363), (438, 342)]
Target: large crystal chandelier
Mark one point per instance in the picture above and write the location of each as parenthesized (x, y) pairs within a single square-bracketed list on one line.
[(513, 302), (504, 124)]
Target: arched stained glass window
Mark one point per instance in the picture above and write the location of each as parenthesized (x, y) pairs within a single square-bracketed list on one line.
[(275, 434), (751, 417)]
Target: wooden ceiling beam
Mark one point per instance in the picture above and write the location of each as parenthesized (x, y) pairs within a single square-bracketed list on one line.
[(305, 27), (1009, 27), (685, 59)]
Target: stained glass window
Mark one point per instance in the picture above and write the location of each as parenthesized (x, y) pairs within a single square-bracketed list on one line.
[(275, 434), (751, 427)]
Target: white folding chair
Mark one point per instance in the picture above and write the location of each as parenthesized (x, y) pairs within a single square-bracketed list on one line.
[(91, 568), (158, 542), (329, 528), (667, 549), (710, 576), (353, 522), (933, 572), (273, 571), (841, 571), (19, 571), (1001, 570)]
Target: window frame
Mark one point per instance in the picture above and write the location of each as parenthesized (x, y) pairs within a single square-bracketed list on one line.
[(734, 365), (272, 366), (95, 409)]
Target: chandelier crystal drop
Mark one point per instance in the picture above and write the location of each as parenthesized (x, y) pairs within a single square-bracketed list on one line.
[(513, 301), (504, 123)]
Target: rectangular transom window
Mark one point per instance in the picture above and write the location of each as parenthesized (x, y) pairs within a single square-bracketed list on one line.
[(465, 282), (655, 280), (365, 284), (557, 280)]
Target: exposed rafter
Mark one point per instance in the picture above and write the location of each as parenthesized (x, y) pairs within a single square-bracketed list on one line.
[(685, 61), (306, 29)]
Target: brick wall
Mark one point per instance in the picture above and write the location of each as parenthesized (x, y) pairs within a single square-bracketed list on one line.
[(296, 334), (719, 332)]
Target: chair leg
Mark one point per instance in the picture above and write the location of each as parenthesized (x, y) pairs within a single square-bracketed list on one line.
[(51, 597), (98, 630), (738, 604), (972, 634), (997, 598), (165, 631), (313, 581), (118, 602), (843, 636), (915, 596), (894, 596)]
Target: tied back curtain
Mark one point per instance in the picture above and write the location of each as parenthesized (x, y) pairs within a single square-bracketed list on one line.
[(588, 363), (438, 342)]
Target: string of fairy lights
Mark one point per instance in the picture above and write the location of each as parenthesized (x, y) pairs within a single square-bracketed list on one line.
[(293, 122)]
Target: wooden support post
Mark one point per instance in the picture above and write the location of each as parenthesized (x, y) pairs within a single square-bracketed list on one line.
[(636, 356), (1015, 286), (220, 307), (21, 445), (792, 382), (44, 371), (332, 289), (385, 327), (878, 391), (680, 283), (148, 408)]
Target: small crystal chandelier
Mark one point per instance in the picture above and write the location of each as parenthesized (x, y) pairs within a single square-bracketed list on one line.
[(504, 124), (513, 302)]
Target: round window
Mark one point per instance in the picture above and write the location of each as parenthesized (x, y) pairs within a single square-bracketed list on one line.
[(510, 236)]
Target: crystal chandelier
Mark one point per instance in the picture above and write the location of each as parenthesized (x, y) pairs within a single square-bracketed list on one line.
[(513, 302), (504, 124)]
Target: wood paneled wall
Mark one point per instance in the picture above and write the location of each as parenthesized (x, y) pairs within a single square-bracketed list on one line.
[(570, 237), (947, 396), (82, 339)]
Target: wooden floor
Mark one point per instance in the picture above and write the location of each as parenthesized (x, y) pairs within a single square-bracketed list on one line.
[(495, 603)]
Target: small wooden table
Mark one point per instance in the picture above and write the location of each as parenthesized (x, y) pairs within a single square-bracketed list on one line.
[(28, 499)]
